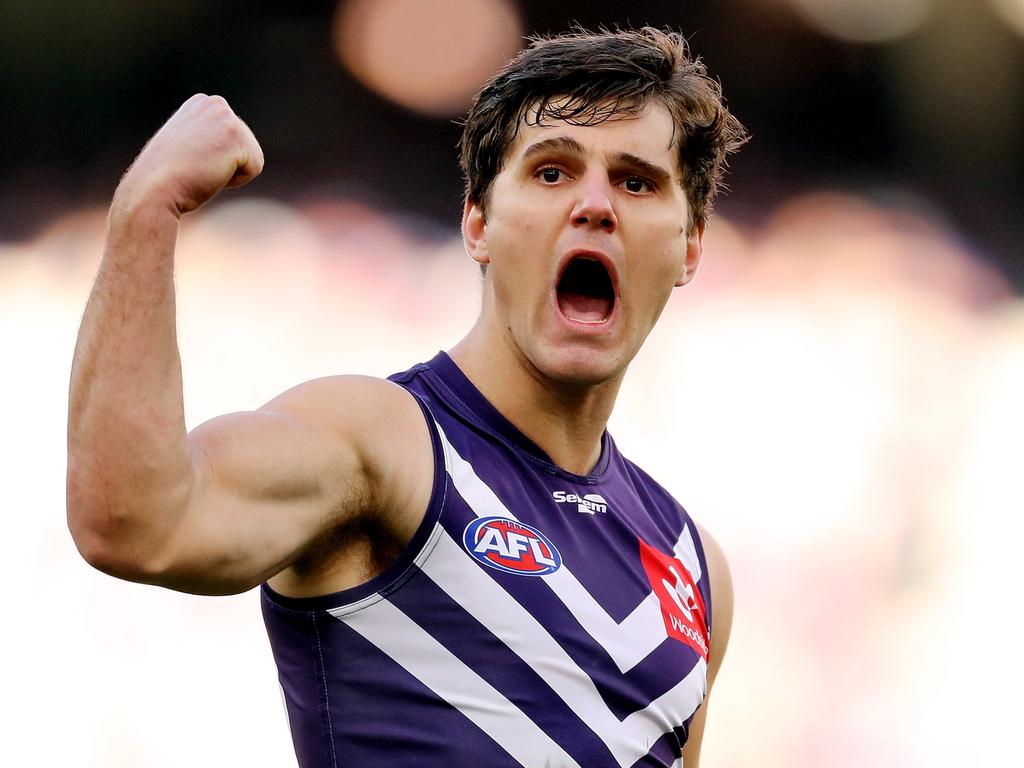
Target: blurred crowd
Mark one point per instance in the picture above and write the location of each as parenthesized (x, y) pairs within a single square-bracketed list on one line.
[(836, 397)]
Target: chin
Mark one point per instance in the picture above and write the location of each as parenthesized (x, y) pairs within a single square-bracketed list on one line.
[(580, 366)]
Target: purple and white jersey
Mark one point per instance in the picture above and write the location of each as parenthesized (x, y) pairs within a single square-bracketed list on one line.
[(537, 618)]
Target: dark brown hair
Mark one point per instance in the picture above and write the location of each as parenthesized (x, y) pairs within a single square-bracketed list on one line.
[(585, 78)]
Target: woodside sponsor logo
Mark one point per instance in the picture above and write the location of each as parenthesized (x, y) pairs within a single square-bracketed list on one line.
[(682, 605)]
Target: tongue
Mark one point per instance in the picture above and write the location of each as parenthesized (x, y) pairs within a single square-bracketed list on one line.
[(584, 309)]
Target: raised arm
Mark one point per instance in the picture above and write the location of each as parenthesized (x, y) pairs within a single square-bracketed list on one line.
[(240, 498)]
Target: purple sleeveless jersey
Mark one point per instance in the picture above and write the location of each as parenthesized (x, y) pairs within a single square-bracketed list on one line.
[(537, 618)]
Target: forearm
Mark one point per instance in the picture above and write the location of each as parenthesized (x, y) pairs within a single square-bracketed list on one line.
[(130, 475), (129, 468)]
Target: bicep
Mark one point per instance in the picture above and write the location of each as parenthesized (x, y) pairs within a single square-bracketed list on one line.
[(269, 482)]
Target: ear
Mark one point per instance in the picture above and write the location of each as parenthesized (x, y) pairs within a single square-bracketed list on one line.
[(474, 232), (694, 249)]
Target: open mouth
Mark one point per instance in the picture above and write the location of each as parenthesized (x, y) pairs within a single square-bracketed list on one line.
[(585, 291)]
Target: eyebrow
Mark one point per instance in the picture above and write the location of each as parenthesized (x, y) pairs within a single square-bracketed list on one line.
[(570, 146), (558, 143), (645, 167)]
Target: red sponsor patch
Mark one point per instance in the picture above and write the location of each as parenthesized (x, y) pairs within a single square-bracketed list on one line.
[(682, 605)]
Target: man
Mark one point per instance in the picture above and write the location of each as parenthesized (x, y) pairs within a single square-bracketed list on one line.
[(458, 566)]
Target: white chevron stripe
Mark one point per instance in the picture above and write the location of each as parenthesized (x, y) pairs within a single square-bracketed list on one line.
[(686, 553), (627, 643), (462, 579), (435, 666)]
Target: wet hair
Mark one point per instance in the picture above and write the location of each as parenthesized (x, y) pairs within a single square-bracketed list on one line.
[(586, 78)]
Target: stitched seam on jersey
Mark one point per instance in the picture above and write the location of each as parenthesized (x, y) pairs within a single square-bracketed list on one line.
[(376, 597), (326, 698)]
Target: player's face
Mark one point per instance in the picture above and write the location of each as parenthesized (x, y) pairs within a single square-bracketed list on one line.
[(585, 235)]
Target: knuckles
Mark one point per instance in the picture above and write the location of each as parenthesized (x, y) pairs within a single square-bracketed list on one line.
[(201, 149), (204, 128)]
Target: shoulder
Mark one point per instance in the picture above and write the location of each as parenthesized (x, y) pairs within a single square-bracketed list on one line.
[(327, 425), (380, 428), (720, 579), (367, 413), (342, 399), (380, 421)]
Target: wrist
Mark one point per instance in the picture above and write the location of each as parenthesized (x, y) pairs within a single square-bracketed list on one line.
[(139, 194), (132, 205), (135, 220)]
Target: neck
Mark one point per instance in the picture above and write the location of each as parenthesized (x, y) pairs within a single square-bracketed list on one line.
[(565, 420)]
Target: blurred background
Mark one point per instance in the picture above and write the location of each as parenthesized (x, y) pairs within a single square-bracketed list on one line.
[(837, 396)]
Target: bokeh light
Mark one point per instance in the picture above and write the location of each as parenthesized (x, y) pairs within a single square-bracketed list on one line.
[(837, 396), (427, 57), (1012, 12), (864, 21)]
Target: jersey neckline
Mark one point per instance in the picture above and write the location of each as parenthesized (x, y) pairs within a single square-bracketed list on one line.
[(479, 410)]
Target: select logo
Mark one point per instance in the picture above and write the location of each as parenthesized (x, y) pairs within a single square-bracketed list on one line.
[(511, 546), (589, 504)]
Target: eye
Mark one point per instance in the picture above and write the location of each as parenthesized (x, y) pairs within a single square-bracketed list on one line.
[(637, 185), (550, 175)]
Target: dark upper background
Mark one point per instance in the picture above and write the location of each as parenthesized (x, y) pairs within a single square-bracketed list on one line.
[(933, 121)]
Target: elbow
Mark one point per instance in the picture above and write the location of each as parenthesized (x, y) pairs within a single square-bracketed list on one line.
[(110, 542), (109, 554), (125, 549), (98, 553), (111, 530)]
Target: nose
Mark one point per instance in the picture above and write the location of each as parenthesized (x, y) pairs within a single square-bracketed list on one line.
[(594, 207)]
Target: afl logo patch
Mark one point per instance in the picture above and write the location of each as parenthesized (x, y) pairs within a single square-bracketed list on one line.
[(511, 546)]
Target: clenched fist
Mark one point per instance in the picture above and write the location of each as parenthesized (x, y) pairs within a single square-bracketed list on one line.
[(203, 148)]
